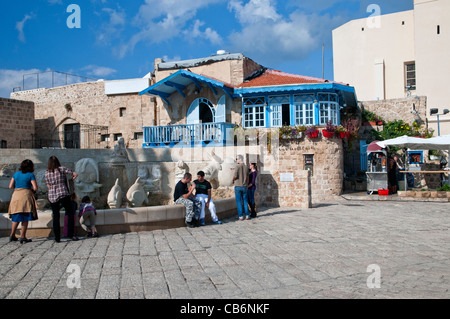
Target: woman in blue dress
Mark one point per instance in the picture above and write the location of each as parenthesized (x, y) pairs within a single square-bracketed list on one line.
[(22, 208)]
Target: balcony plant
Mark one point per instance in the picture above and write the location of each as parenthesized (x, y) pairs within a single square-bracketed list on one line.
[(371, 119), (330, 130), (312, 132), (341, 131), (292, 132)]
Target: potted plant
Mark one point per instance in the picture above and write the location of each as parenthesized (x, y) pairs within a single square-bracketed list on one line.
[(291, 132), (371, 119), (312, 132), (330, 130), (341, 132)]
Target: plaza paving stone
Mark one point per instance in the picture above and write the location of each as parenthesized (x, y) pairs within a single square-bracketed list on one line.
[(323, 252)]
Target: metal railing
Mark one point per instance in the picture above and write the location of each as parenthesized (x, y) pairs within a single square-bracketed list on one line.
[(197, 133), (53, 79)]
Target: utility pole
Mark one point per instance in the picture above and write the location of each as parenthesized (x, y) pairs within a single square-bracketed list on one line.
[(323, 60)]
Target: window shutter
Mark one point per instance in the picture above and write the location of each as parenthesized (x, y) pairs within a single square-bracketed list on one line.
[(193, 115), (221, 110)]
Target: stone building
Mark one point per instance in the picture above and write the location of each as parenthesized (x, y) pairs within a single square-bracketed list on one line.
[(226, 89), (199, 101), (189, 109), (85, 115), (16, 122)]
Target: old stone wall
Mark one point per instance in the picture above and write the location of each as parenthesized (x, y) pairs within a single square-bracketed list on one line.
[(327, 175), (16, 122), (399, 109), (88, 105), (288, 158)]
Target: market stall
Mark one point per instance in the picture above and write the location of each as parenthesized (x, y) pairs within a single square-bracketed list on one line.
[(411, 144), (377, 170)]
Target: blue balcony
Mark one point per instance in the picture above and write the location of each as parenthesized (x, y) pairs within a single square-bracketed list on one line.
[(191, 135)]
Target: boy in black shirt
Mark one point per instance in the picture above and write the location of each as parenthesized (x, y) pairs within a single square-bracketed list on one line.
[(183, 195), (203, 193)]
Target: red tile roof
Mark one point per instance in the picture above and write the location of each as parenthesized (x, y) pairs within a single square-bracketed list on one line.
[(278, 78)]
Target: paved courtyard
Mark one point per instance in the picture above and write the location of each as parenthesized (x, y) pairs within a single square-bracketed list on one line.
[(344, 249)]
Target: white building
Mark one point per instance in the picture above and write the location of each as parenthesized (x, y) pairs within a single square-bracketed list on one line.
[(396, 55)]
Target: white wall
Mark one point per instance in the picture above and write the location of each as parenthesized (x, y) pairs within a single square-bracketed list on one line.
[(432, 57), (370, 56)]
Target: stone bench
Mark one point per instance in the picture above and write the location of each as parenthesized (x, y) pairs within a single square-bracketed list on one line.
[(123, 220)]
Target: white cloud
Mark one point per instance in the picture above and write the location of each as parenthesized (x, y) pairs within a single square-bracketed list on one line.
[(317, 5), (10, 79), (254, 11), (99, 71), (169, 59), (117, 17), (209, 34), (160, 21), (270, 38), (20, 26), (113, 28)]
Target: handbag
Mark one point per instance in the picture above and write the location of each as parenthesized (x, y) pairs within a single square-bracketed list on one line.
[(70, 185)]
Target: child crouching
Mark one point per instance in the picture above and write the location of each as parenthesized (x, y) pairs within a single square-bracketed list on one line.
[(87, 212)]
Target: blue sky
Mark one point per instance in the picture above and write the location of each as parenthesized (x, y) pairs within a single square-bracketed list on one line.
[(121, 39)]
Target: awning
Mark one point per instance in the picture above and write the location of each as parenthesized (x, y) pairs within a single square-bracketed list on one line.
[(347, 93), (180, 80), (414, 143)]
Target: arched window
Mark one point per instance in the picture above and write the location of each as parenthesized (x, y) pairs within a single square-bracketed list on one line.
[(201, 110)]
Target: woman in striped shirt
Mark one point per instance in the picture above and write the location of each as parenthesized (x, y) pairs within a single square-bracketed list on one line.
[(58, 195)]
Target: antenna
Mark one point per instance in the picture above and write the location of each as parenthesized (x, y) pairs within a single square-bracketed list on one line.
[(323, 60)]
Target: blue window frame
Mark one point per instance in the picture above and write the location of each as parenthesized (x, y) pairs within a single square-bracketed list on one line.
[(328, 108), (304, 109), (276, 109), (254, 111), (294, 109), (416, 157)]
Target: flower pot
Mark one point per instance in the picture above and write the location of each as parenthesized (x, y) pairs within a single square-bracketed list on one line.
[(327, 134), (342, 135), (313, 134), (299, 135)]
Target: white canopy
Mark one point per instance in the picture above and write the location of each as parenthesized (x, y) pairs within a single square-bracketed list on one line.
[(439, 143), (414, 143)]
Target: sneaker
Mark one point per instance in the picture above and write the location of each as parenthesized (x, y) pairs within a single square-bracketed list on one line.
[(218, 222), (202, 222), (241, 218), (190, 224), (247, 217)]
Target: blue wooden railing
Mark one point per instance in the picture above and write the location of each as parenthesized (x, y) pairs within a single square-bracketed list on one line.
[(191, 134)]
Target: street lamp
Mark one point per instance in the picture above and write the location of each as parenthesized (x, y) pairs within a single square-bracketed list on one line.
[(436, 112)]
